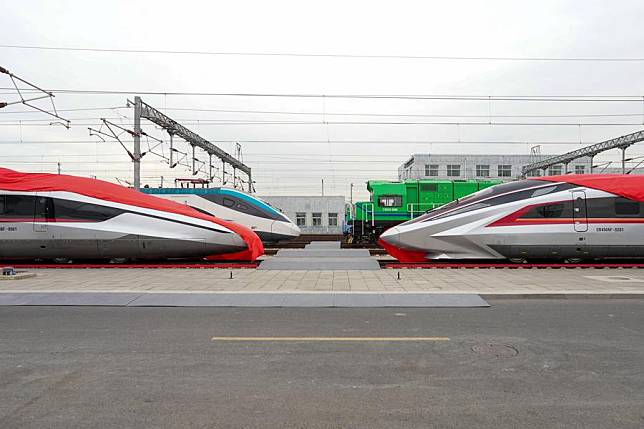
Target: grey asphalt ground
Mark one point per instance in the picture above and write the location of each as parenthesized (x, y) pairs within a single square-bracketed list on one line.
[(579, 364)]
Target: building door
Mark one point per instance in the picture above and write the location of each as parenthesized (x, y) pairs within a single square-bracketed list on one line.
[(579, 213)]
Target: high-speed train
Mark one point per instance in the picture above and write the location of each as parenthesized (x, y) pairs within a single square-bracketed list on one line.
[(235, 206), (60, 216), (569, 217)]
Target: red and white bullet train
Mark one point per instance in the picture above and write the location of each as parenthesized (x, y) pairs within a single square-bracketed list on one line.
[(557, 217), (59, 216)]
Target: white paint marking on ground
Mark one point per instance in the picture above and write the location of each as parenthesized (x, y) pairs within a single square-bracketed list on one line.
[(616, 279)]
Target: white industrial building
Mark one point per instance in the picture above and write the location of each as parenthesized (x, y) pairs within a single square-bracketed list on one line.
[(313, 214), (504, 167)]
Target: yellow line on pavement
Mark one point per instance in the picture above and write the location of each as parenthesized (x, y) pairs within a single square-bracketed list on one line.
[(331, 339)]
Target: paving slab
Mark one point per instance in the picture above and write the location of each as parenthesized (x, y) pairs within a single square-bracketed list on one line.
[(330, 264)]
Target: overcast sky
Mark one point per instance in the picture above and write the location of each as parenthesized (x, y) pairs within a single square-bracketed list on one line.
[(552, 29)]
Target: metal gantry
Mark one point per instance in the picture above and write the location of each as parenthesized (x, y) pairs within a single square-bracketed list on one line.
[(173, 128), (622, 142)]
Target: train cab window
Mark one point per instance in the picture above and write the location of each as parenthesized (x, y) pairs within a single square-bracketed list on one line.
[(626, 207), (79, 210), (542, 191), (18, 206), (242, 207), (554, 210), (390, 201), (551, 210)]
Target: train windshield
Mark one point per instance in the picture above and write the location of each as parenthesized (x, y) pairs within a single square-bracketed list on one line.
[(499, 194)]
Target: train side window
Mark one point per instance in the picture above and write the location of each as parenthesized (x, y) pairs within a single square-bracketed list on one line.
[(626, 207), (228, 202), (390, 201), (18, 205), (2, 204)]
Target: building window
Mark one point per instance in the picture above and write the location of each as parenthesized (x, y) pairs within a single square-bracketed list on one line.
[(390, 201), (333, 219), (555, 170), (504, 170), (453, 170), (534, 173), (317, 219), (431, 169), (482, 171), (580, 169), (300, 219)]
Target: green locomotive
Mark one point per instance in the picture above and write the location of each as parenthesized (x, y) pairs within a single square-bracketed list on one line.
[(394, 202)]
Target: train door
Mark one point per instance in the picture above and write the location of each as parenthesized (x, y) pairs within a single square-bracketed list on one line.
[(43, 211), (413, 200), (579, 212)]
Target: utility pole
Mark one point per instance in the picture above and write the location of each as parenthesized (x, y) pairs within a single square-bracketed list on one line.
[(351, 194), (322, 187), (136, 155), (58, 167)]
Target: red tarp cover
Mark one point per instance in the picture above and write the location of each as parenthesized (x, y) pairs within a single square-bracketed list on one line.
[(403, 255), (11, 180), (625, 185)]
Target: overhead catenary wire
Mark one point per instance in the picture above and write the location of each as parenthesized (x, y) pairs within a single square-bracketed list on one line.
[(395, 142), (457, 97), (244, 122), (320, 55), (370, 114)]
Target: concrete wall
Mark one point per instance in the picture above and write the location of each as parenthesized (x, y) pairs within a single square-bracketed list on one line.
[(414, 167), (291, 205)]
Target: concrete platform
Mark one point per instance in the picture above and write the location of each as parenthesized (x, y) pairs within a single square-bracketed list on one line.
[(321, 255), (323, 245), (487, 282), (322, 264), (240, 299)]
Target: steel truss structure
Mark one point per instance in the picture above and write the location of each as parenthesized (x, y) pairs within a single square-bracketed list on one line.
[(143, 110), (622, 143)]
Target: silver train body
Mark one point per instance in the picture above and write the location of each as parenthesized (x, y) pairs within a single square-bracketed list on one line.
[(528, 219), (234, 206), (69, 225)]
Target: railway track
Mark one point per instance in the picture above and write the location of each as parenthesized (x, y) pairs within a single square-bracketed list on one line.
[(507, 265), (386, 264)]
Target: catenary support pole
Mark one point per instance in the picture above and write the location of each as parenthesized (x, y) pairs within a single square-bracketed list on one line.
[(623, 160), (136, 158)]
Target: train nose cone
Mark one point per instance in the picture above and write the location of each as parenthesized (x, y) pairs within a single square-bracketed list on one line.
[(285, 229), (238, 242), (391, 236), (230, 243)]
